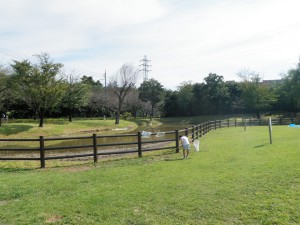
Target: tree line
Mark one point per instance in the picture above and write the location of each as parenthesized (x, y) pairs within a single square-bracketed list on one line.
[(41, 89)]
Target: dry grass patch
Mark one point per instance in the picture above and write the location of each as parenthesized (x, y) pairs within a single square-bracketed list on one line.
[(3, 202), (76, 169), (54, 219)]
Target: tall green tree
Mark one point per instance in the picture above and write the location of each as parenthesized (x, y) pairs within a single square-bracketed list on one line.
[(90, 81), (256, 96), (38, 84), (217, 91), (170, 106), (291, 87), (4, 91), (75, 97), (151, 91), (234, 102), (285, 101), (200, 104), (185, 97)]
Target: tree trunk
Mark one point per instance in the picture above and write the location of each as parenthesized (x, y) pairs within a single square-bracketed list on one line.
[(258, 114), (152, 112), (117, 117), (41, 121), (70, 113), (42, 114), (118, 112)]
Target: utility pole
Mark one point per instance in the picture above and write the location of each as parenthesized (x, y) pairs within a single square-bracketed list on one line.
[(145, 67)]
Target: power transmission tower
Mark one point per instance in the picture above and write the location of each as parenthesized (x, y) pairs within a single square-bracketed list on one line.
[(145, 67)]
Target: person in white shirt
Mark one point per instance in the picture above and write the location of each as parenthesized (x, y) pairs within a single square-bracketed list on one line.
[(185, 145)]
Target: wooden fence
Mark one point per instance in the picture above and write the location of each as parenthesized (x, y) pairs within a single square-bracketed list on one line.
[(98, 146)]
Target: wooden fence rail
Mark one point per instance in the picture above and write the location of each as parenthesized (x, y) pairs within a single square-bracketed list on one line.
[(139, 146)]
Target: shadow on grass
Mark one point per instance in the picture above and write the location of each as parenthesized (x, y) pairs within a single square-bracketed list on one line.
[(171, 160), (13, 170), (10, 129), (259, 146), (16, 167)]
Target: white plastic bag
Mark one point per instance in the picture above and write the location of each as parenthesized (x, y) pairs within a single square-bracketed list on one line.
[(146, 134), (197, 145)]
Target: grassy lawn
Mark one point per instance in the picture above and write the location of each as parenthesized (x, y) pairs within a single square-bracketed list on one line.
[(63, 128), (236, 178)]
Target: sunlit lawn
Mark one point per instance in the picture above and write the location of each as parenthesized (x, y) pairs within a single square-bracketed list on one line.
[(77, 127), (238, 177)]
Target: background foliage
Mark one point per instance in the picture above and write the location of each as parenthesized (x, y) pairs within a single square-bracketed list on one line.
[(41, 89)]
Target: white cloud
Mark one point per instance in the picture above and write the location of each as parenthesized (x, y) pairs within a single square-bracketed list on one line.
[(184, 39)]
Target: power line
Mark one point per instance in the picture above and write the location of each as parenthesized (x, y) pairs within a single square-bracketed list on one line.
[(145, 67)]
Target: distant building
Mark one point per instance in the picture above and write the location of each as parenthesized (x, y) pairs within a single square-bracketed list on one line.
[(230, 81), (267, 82), (272, 81)]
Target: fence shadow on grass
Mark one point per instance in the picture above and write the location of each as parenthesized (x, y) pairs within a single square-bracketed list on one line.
[(173, 159), (14, 170), (9, 129)]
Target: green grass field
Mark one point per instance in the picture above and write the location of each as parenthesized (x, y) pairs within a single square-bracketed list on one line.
[(238, 177), (77, 127)]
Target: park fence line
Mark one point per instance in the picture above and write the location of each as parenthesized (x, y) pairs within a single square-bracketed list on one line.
[(139, 146)]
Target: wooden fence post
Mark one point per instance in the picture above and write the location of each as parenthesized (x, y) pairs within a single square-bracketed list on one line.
[(235, 122), (215, 124), (197, 131), (270, 129), (201, 129), (193, 133), (177, 141), (228, 122), (42, 152), (95, 148), (139, 144), (186, 132)]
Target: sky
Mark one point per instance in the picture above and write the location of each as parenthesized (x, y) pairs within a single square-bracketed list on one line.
[(184, 40)]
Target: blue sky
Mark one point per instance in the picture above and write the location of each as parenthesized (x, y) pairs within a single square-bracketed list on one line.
[(185, 40)]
